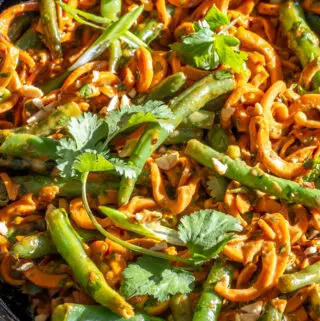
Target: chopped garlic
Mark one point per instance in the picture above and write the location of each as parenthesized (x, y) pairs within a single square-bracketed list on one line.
[(168, 160), (125, 101), (3, 228), (219, 167), (310, 250), (254, 308), (113, 104), (38, 102), (138, 217), (95, 75), (160, 246)]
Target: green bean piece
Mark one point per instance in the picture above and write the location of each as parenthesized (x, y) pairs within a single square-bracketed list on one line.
[(181, 307), (56, 119), (115, 56), (201, 119), (165, 90), (49, 21), (79, 312), (271, 312), (218, 139), (109, 35), (33, 247), (301, 39), (252, 177), (26, 163), (149, 30), (84, 270), (30, 39), (190, 101), (210, 303), (313, 21), (295, 281), (111, 9), (315, 301), (67, 187), (182, 135), (217, 103), (20, 25), (25, 229), (155, 231)]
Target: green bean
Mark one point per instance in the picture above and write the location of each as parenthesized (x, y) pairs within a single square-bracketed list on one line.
[(33, 247), (155, 231), (210, 303), (49, 21), (30, 39), (315, 301), (301, 39), (26, 163), (181, 308), (313, 21), (252, 177), (115, 56), (165, 90), (20, 25), (84, 270), (111, 9), (25, 229), (292, 282), (55, 120), (79, 312), (193, 99), (149, 30), (109, 35), (182, 135), (271, 312), (218, 139), (67, 187), (201, 119)]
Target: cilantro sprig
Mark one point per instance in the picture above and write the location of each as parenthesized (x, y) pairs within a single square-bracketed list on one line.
[(206, 49), (86, 148), (155, 277)]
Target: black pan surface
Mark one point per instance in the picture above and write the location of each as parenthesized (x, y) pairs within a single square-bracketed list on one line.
[(14, 305)]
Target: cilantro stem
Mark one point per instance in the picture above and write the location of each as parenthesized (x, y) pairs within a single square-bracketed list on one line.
[(115, 239)]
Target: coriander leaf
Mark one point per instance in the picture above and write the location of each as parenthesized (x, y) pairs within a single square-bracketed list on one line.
[(121, 120), (90, 162), (66, 154), (229, 55), (215, 18), (155, 277), (197, 49), (93, 162), (87, 130), (206, 232), (217, 186)]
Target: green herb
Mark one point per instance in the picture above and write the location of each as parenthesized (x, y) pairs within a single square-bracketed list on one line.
[(206, 232), (215, 18), (85, 91), (217, 186), (314, 174), (87, 148), (155, 277), (207, 50)]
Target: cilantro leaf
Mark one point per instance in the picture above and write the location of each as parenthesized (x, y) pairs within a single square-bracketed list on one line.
[(87, 130), (206, 232), (90, 162), (197, 49), (229, 55), (121, 120), (217, 186), (155, 277), (215, 18), (314, 174), (85, 91)]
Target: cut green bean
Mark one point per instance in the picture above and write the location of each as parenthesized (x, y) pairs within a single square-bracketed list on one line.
[(181, 307), (84, 270), (295, 281), (190, 101), (251, 176), (79, 312)]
